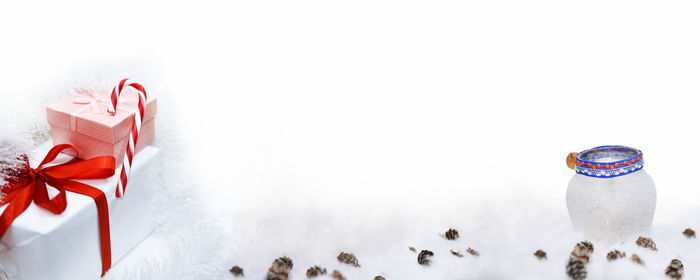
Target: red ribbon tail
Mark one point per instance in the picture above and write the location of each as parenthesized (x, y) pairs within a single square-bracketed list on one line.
[(102, 217)]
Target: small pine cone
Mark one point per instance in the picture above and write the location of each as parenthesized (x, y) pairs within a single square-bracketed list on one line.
[(472, 252), (637, 259), (315, 271), (689, 233), (585, 246), (285, 261), (457, 254), (280, 269), (337, 275), (424, 257), (576, 269), (348, 258), (615, 254), (646, 242), (583, 251), (274, 276), (413, 249), (237, 271), (675, 269), (378, 277), (451, 234), (540, 254)]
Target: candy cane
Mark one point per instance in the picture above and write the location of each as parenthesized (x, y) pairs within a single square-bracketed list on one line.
[(135, 128)]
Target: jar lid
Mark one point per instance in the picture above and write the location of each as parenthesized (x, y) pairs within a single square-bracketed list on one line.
[(609, 161)]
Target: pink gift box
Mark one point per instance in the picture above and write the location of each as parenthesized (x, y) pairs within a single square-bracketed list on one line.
[(95, 132)]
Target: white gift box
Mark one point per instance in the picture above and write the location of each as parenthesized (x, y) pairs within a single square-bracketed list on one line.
[(41, 245)]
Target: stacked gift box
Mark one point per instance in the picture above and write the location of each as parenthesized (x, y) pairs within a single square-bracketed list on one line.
[(68, 214)]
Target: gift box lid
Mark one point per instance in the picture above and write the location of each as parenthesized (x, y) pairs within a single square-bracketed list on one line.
[(82, 118), (36, 222)]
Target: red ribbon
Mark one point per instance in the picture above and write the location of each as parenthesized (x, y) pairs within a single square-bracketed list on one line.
[(30, 186)]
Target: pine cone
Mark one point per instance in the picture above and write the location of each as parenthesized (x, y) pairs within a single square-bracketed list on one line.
[(637, 259), (472, 252), (675, 269), (286, 261), (576, 269), (585, 246), (413, 249), (11, 169), (451, 234), (273, 276), (280, 269), (379, 278), (540, 254), (457, 254), (689, 233), (424, 257), (237, 271), (615, 254), (646, 242), (348, 259), (315, 271), (583, 251), (337, 275)]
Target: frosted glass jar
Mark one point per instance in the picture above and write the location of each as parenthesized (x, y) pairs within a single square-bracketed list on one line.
[(610, 198)]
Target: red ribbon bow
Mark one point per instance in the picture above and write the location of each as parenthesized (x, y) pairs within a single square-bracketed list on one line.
[(30, 185)]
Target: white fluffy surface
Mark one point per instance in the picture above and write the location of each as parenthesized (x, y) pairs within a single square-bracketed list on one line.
[(309, 128)]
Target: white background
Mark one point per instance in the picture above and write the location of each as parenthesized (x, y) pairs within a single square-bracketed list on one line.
[(318, 126)]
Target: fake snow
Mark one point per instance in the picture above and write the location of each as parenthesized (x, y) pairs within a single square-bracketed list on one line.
[(11, 148)]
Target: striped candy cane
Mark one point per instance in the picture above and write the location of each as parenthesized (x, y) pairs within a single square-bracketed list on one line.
[(135, 128)]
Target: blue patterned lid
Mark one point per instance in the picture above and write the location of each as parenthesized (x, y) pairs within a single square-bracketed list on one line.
[(609, 161)]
